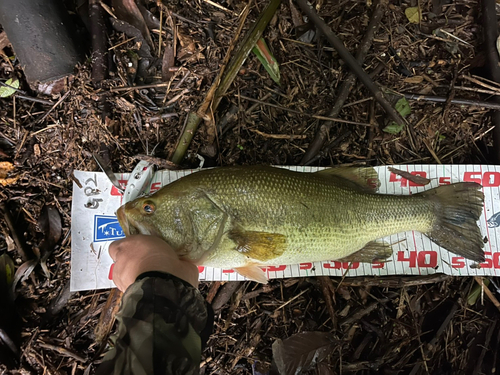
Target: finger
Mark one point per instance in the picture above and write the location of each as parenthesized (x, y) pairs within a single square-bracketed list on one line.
[(114, 248)]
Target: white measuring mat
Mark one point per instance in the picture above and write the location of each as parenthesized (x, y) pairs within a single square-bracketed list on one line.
[(94, 226)]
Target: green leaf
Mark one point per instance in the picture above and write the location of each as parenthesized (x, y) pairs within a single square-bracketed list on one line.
[(267, 59), (7, 271), (413, 14), (476, 292), (404, 109), (393, 128), (5, 91)]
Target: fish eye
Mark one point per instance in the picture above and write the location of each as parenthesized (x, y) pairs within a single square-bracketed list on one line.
[(148, 208)]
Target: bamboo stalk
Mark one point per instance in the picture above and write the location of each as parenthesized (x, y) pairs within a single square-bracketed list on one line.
[(223, 81)]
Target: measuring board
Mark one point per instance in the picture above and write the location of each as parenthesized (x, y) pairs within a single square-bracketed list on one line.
[(94, 226)]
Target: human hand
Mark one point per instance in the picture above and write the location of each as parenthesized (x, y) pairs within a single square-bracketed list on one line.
[(137, 254)]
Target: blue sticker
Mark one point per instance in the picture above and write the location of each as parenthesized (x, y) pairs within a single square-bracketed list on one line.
[(107, 228), (494, 221)]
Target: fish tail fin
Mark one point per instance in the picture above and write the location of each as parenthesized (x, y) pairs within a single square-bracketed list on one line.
[(457, 210)]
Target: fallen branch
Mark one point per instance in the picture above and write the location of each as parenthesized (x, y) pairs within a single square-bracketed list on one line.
[(353, 64), (324, 129), (329, 146), (99, 51)]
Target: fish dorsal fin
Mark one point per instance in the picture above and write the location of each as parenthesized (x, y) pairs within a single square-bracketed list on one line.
[(253, 272), (371, 252), (261, 246), (365, 177)]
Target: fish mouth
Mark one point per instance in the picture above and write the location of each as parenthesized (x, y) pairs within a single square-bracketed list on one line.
[(131, 227), (128, 226), (122, 219)]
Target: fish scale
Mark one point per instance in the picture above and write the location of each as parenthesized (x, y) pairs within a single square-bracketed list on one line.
[(244, 217)]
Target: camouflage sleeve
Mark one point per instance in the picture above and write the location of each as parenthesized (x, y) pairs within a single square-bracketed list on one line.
[(162, 324)]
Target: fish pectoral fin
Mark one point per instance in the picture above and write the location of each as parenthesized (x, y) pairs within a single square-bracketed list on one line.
[(372, 251), (261, 246), (364, 177), (253, 272)]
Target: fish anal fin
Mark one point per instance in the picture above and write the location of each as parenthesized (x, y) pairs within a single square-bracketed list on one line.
[(252, 272), (261, 246), (372, 251), (365, 177)]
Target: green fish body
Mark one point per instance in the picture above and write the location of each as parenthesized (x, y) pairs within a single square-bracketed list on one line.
[(246, 217)]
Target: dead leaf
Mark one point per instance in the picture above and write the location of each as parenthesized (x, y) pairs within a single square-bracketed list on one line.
[(296, 16), (11, 245), (151, 21), (5, 168), (127, 10), (50, 224), (419, 180), (186, 41), (299, 352), (23, 272), (414, 79), (167, 62)]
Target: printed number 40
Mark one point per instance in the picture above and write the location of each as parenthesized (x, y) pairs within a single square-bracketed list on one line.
[(424, 259)]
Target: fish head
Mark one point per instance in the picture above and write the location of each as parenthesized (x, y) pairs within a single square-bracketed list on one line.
[(139, 217), (162, 215)]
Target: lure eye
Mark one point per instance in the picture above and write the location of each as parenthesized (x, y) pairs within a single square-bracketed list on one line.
[(148, 208)]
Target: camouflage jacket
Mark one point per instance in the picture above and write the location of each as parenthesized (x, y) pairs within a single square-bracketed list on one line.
[(162, 323)]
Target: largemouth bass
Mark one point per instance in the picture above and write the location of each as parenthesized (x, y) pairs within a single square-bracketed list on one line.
[(248, 217)]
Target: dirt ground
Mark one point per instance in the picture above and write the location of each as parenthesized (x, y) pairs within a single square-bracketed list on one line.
[(417, 325)]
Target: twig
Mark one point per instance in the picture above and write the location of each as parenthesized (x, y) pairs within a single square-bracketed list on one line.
[(53, 107), (432, 151), (487, 339), (279, 136), (442, 99), (353, 64), (318, 117), (161, 163), (140, 87), (36, 100), (107, 317), (324, 129), (225, 294), (487, 291), (62, 351), (23, 252), (482, 84), (359, 314), (328, 291), (490, 36)]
